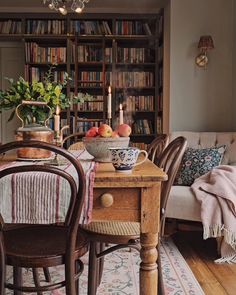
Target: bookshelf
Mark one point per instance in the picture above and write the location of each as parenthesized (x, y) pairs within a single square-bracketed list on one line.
[(98, 51)]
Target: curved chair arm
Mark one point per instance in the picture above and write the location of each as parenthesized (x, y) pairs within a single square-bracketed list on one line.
[(77, 136)]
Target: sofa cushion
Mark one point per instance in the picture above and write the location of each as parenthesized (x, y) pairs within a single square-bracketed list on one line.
[(182, 204), (197, 162), (209, 139)]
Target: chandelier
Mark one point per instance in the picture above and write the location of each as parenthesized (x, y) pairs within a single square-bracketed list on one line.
[(62, 6)]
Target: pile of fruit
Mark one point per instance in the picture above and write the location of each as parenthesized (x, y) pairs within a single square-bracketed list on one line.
[(123, 130)]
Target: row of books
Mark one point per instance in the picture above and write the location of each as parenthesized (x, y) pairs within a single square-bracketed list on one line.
[(93, 79), (89, 53), (84, 27), (37, 54), (38, 74), (135, 55), (94, 105), (136, 103), (44, 27), (142, 127), (127, 27), (135, 79), (84, 126), (10, 27), (81, 27)]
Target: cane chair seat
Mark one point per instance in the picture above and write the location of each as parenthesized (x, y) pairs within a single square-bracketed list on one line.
[(76, 146), (113, 228)]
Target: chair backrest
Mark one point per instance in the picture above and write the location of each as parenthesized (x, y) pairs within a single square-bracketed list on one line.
[(170, 161), (156, 147), (76, 138), (77, 190)]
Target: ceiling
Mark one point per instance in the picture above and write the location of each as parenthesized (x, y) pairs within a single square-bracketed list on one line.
[(100, 6)]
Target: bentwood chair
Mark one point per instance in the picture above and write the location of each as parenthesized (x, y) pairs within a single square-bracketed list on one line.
[(126, 234), (76, 138), (36, 245), (156, 147)]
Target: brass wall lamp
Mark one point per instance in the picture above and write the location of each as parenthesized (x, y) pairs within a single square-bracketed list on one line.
[(205, 43)]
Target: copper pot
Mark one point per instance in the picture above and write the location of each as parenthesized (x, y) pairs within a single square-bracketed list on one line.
[(34, 131), (33, 153)]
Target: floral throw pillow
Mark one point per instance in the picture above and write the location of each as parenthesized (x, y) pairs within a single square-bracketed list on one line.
[(197, 162)]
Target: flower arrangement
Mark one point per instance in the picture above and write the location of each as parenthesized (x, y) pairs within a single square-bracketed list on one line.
[(48, 91)]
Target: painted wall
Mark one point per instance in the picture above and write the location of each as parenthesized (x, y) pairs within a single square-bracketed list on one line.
[(234, 69), (201, 100), (12, 65)]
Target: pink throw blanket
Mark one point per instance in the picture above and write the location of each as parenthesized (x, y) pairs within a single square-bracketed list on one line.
[(216, 191)]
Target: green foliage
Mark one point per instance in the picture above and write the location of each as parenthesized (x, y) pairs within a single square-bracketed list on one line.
[(48, 91)]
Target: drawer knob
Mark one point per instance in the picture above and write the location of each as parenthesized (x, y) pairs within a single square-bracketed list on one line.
[(106, 200)]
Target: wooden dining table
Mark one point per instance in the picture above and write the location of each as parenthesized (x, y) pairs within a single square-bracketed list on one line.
[(131, 196)]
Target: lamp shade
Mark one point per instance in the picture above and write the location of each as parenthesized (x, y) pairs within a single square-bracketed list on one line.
[(205, 43)]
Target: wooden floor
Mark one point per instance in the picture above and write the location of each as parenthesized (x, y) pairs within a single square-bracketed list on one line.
[(214, 279)]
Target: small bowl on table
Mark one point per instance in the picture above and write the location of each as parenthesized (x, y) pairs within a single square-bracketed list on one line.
[(99, 146)]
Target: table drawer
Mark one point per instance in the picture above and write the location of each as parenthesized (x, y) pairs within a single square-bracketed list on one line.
[(114, 204)]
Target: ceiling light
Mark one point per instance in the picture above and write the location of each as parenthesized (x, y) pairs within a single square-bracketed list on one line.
[(63, 6)]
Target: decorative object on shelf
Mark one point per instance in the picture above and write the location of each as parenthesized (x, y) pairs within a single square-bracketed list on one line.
[(46, 91), (63, 6), (205, 43)]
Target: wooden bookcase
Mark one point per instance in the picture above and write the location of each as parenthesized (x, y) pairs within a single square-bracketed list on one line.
[(98, 50)]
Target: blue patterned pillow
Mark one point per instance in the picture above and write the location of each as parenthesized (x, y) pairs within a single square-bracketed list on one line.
[(197, 162)]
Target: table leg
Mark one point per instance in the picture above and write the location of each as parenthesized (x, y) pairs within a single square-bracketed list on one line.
[(150, 216), (148, 267)]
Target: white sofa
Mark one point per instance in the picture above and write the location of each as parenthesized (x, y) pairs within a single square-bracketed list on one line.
[(182, 203)]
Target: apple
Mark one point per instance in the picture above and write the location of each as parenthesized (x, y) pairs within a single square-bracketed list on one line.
[(92, 132), (105, 130), (115, 134), (124, 130)]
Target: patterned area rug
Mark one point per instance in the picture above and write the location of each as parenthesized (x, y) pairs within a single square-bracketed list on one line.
[(120, 275)]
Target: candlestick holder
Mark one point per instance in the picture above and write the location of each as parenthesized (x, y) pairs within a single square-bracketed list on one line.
[(109, 121), (58, 141)]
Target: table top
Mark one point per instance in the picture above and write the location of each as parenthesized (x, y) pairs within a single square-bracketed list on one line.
[(105, 173), (146, 172)]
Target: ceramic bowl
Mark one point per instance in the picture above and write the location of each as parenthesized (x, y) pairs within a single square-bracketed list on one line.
[(99, 146)]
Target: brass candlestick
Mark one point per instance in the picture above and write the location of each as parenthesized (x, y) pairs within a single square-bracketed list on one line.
[(58, 140)]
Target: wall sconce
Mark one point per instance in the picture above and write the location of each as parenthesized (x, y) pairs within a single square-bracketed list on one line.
[(205, 43)]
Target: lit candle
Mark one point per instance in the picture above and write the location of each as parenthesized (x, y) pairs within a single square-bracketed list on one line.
[(121, 115), (57, 119), (109, 103)]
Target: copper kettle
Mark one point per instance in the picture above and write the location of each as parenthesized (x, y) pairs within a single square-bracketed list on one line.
[(34, 131)]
